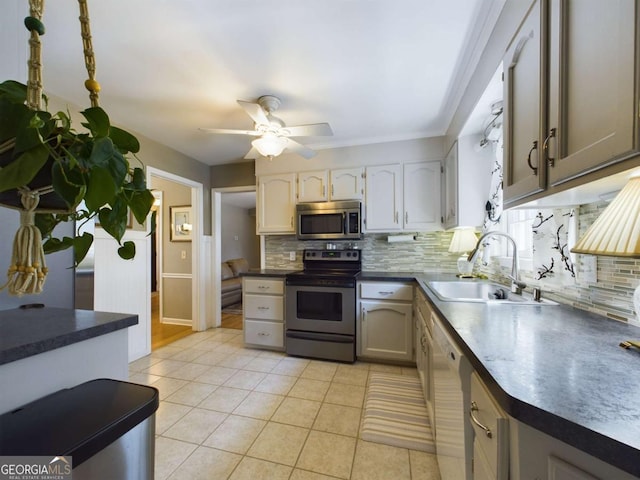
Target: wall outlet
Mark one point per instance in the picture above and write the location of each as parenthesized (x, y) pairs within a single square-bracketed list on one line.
[(183, 254), (292, 256)]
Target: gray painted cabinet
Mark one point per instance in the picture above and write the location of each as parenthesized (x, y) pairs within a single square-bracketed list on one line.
[(570, 101)]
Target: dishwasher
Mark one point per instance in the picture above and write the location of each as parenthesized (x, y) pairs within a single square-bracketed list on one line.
[(453, 433)]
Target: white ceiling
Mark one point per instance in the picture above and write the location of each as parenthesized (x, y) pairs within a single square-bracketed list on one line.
[(376, 70)]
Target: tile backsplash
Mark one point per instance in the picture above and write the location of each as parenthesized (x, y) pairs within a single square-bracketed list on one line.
[(610, 295), (427, 253)]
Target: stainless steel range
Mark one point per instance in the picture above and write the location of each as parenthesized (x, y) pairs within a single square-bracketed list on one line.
[(321, 305)]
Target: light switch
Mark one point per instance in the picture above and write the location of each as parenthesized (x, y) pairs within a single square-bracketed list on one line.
[(183, 254), (292, 256), (235, 237)]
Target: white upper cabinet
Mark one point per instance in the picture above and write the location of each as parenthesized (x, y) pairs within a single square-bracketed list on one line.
[(467, 182), (276, 203), (591, 85), (331, 185), (346, 184), (312, 186), (383, 205), (421, 199), (403, 197)]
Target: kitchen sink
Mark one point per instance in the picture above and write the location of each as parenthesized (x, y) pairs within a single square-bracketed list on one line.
[(481, 292)]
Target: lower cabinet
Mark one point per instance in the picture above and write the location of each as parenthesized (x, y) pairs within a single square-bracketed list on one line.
[(490, 434), (386, 321), (263, 307)]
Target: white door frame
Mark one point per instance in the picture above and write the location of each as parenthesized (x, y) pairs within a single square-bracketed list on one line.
[(216, 254), (199, 322)]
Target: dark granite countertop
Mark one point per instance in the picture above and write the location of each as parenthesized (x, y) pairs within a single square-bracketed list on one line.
[(31, 331), (557, 369)]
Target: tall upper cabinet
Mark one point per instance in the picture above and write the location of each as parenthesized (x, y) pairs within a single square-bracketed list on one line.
[(524, 98), (276, 204), (592, 62), (570, 93)]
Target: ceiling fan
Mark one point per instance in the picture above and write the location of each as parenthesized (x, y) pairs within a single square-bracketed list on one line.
[(273, 135)]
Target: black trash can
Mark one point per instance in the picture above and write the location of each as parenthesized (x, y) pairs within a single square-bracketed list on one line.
[(106, 426)]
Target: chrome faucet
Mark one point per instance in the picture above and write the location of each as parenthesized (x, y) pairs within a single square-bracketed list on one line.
[(516, 284)]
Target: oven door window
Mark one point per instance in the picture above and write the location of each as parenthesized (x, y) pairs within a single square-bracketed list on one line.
[(325, 306), (326, 223)]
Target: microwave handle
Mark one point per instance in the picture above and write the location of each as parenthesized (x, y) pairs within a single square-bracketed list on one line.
[(344, 222)]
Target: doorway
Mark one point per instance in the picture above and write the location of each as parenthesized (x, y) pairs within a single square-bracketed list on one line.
[(174, 260), (235, 243)]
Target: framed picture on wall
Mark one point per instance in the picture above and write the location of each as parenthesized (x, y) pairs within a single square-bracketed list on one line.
[(181, 226)]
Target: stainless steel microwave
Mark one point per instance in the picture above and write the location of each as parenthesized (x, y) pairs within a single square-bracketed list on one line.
[(329, 220)]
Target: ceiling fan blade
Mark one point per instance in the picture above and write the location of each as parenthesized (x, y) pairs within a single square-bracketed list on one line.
[(255, 111), (300, 149), (312, 130), (231, 131), (253, 153)]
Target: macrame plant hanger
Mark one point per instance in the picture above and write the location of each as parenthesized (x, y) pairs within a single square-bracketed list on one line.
[(28, 270)]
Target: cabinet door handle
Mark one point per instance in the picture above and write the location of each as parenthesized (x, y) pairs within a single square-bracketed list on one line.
[(534, 147), (474, 408), (545, 147), (406, 217), (396, 217), (324, 190), (332, 190), (292, 221)]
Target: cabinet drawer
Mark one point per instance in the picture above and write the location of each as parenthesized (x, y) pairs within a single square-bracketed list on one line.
[(387, 291), (262, 285), (264, 307), (484, 411), (269, 334)]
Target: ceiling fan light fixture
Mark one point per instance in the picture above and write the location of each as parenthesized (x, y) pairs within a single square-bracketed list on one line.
[(270, 145)]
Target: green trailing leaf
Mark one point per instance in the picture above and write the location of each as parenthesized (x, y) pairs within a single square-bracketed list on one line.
[(45, 222), (153, 222), (56, 245), (125, 141), (138, 182), (118, 167), (127, 251), (140, 203), (71, 192), (23, 169), (101, 153), (81, 246), (15, 92), (97, 121), (114, 220), (100, 190)]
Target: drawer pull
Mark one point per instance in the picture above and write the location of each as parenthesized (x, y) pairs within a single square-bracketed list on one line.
[(262, 334), (474, 408), (263, 287), (263, 308), (385, 293)]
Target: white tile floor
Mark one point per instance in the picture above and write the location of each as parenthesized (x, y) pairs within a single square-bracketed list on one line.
[(227, 411)]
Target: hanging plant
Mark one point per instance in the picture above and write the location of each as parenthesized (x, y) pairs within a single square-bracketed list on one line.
[(55, 174)]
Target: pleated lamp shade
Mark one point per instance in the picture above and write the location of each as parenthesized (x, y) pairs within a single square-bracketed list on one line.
[(616, 232)]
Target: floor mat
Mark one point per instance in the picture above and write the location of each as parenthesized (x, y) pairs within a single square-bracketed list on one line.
[(395, 413), (235, 309)]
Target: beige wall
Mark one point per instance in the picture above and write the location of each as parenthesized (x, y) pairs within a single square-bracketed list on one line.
[(238, 234), (233, 175)]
